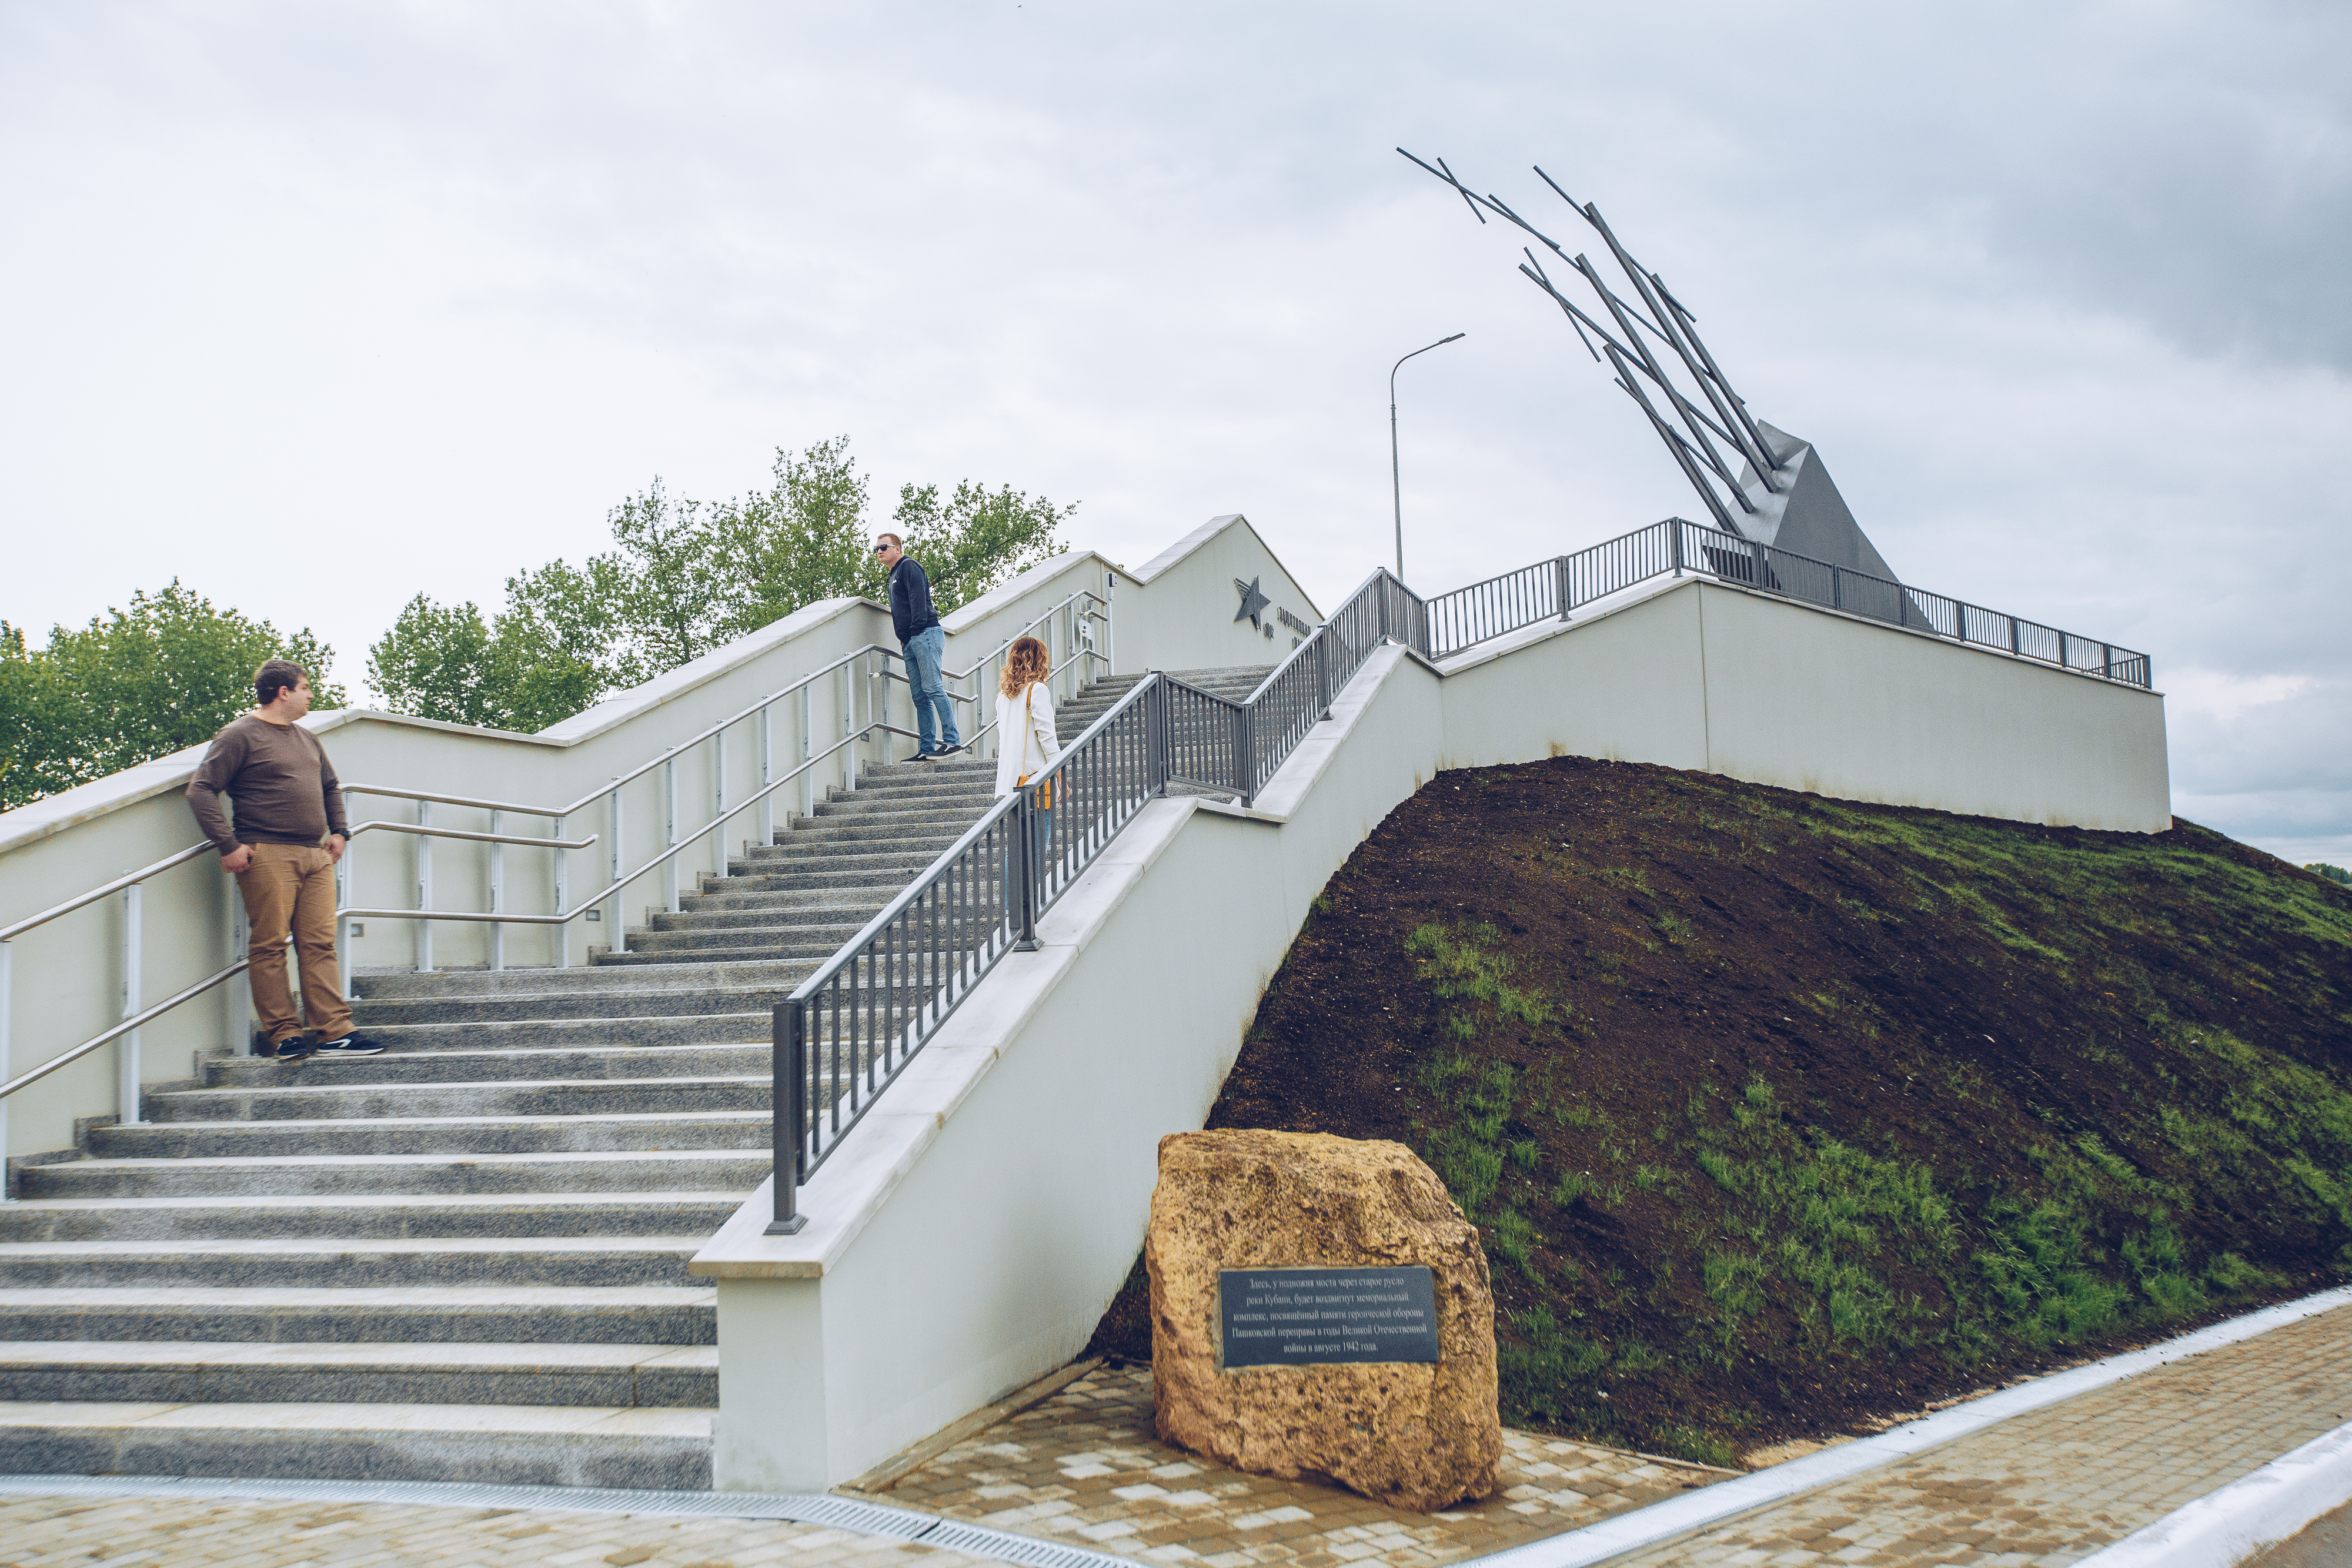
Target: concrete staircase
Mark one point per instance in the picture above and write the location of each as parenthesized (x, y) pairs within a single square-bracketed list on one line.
[(464, 1259)]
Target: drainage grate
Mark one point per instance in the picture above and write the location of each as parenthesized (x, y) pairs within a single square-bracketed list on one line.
[(795, 1508)]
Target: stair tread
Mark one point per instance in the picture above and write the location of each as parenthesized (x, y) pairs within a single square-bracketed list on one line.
[(474, 1419), (633, 1197), (311, 1246), (512, 1356), (284, 1162), (23, 1298)]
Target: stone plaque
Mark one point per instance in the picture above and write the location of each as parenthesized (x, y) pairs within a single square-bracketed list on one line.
[(1321, 1317)]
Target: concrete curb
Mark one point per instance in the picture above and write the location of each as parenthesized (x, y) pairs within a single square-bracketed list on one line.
[(2228, 1526), (1727, 1501)]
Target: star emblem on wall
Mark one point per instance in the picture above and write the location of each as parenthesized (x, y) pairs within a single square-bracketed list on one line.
[(1253, 601)]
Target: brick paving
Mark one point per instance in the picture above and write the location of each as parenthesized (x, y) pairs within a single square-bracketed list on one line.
[(1084, 1467), (2041, 1491), (48, 1532), (2051, 1488)]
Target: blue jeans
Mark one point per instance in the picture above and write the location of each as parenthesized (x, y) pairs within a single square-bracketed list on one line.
[(925, 652)]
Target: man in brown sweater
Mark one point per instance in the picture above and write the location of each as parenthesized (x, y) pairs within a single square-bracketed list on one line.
[(288, 801)]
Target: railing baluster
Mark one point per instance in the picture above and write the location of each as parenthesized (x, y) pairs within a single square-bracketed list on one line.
[(424, 887), (126, 1051), (498, 897)]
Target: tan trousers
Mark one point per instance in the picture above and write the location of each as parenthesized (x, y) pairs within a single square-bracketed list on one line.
[(292, 887)]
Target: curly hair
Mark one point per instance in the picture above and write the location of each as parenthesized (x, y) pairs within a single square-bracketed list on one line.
[(1025, 664)]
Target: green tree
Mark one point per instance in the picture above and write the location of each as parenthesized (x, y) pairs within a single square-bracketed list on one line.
[(134, 685), (684, 576), (519, 672)]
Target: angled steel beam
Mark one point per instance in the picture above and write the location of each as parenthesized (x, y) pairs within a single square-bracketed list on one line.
[(1674, 443), (1750, 443), (1705, 447)]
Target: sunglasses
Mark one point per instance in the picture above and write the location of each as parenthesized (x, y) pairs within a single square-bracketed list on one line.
[(881, 550)]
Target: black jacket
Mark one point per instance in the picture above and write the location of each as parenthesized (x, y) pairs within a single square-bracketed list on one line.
[(910, 599)]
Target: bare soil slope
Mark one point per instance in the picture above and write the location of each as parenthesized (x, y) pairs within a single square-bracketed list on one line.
[(1781, 1114)]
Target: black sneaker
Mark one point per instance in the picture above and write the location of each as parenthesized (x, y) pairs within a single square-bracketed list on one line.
[(350, 1045), (294, 1048), (924, 757)]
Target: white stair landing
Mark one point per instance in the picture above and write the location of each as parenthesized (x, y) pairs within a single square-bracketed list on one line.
[(542, 1444)]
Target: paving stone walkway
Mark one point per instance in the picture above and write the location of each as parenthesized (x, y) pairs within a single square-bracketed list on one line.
[(49, 1533), (1084, 1467), (2051, 1488)]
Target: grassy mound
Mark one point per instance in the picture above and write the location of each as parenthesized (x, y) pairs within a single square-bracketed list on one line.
[(1781, 1113)]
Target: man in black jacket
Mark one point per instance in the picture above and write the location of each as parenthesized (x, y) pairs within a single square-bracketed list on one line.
[(919, 634)]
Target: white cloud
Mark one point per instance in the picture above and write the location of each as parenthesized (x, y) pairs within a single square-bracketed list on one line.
[(321, 307)]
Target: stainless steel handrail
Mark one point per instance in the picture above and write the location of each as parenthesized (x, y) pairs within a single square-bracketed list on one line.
[(128, 879), (125, 1027)]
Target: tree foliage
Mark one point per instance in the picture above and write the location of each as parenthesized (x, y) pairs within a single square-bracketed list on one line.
[(684, 576), (134, 685)]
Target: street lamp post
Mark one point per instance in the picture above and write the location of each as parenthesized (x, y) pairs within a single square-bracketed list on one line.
[(1395, 481)]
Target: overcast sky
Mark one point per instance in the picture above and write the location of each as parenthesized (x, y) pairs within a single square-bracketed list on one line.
[(319, 306)]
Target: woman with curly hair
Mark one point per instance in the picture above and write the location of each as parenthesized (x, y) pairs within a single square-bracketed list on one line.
[(1025, 743)]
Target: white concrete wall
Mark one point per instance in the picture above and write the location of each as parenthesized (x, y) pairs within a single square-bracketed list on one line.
[(1700, 676)]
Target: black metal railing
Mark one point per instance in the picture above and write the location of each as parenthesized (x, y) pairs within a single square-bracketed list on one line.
[(852, 1027), (1552, 589)]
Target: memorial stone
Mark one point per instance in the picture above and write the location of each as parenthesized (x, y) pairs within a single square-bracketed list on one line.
[(1321, 1308)]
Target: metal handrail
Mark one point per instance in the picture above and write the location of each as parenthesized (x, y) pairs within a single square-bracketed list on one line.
[(128, 879), (125, 1027), (564, 917), (637, 773)]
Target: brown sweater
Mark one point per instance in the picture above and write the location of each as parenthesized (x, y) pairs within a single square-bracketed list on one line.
[(278, 775)]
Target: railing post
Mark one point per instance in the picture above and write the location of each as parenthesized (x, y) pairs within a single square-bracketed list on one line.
[(8, 1070), (1024, 856), (1155, 735), (670, 826), (423, 888), (1756, 549), (1563, 585), (2062, 651), (1323, 674), (718, 803), (1246, 752), (2107, 660), (767, 775), (342, 927), (808, 748), (788, 1042), (562, 898), (619, 912), (1673, 527), (2016, 643), (1837, 589), (126, 1053), (497, 895), (240, 947)]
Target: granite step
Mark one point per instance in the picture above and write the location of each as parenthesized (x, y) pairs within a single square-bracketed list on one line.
[(232, 1372), (368, 1216), (435, 1135), (519, 1445), (406, 1176), (452, 1067), (352, 1263), (443, 1314), (314, 1101)]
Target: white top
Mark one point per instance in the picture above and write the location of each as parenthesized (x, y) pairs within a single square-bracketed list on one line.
[(1024, 736)]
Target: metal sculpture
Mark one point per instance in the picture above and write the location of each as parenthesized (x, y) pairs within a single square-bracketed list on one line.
[(1759, 483)]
